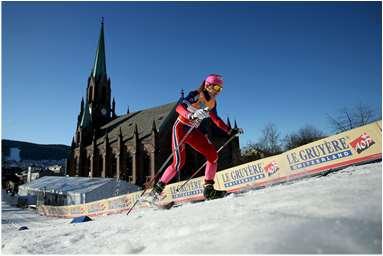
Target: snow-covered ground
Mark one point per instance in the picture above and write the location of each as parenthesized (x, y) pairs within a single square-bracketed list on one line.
[(338, 213)]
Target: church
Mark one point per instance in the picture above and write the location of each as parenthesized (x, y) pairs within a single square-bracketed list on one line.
[(132, 146)]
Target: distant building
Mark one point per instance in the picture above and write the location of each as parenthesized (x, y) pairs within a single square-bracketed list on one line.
[(58, 169), (31, 176), (14, 155), (58, 191), (37, 164), (10, 181), (133, 146)]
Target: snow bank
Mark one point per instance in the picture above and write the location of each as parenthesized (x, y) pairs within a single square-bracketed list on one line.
[(338, 213)]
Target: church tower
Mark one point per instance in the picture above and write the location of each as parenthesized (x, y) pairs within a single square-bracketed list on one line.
[(98, 92), (95, 111)]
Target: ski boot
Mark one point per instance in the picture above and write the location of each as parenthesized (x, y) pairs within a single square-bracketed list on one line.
[(158, 188), (154, 195), (210, 193)]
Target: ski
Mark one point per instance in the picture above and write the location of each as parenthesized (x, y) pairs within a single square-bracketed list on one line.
[(172, 204), (156, 204), (163, 206), (166, 206)]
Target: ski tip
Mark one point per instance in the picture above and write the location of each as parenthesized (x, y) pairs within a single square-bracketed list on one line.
[(167, 205)]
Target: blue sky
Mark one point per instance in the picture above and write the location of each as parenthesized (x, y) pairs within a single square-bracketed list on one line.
[(285, 63)]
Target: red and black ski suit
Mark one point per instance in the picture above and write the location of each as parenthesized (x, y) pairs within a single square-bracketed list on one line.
[(196, 139)]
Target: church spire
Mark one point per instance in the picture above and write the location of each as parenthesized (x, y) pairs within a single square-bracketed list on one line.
[(228, 123), (99, 67)]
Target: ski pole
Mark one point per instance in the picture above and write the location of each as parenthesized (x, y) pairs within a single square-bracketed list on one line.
[(177, 148), (199, 169), (160, 170), (164, 164)]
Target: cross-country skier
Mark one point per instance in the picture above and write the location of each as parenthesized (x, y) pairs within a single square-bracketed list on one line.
[(191, 111)]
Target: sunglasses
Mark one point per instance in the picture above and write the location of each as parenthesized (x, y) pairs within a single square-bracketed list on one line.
[(217, 88)]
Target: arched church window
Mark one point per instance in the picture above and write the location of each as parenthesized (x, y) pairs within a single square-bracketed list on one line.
[(129, 167), (100, 165), (113, 167)]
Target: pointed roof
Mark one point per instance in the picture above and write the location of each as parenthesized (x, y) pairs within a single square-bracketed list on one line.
[(86, 119), (141, 122), (99, 67)]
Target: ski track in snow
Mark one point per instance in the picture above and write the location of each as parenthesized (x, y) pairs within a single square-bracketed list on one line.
[(337, 213)]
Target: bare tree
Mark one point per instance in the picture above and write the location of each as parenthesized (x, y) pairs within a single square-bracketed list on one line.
[(303, 136), (251, 152), (348, 119), (270, 141), (269, 144), (363, 114)]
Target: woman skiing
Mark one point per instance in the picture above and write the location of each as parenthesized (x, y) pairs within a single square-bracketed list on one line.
[(197, 105)]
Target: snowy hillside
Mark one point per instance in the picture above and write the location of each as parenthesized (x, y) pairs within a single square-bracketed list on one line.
[(338, 213)]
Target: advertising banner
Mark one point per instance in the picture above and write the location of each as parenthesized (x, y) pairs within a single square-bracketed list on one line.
[(101, 207), (362, 144), (359, 145), (355, 146)]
